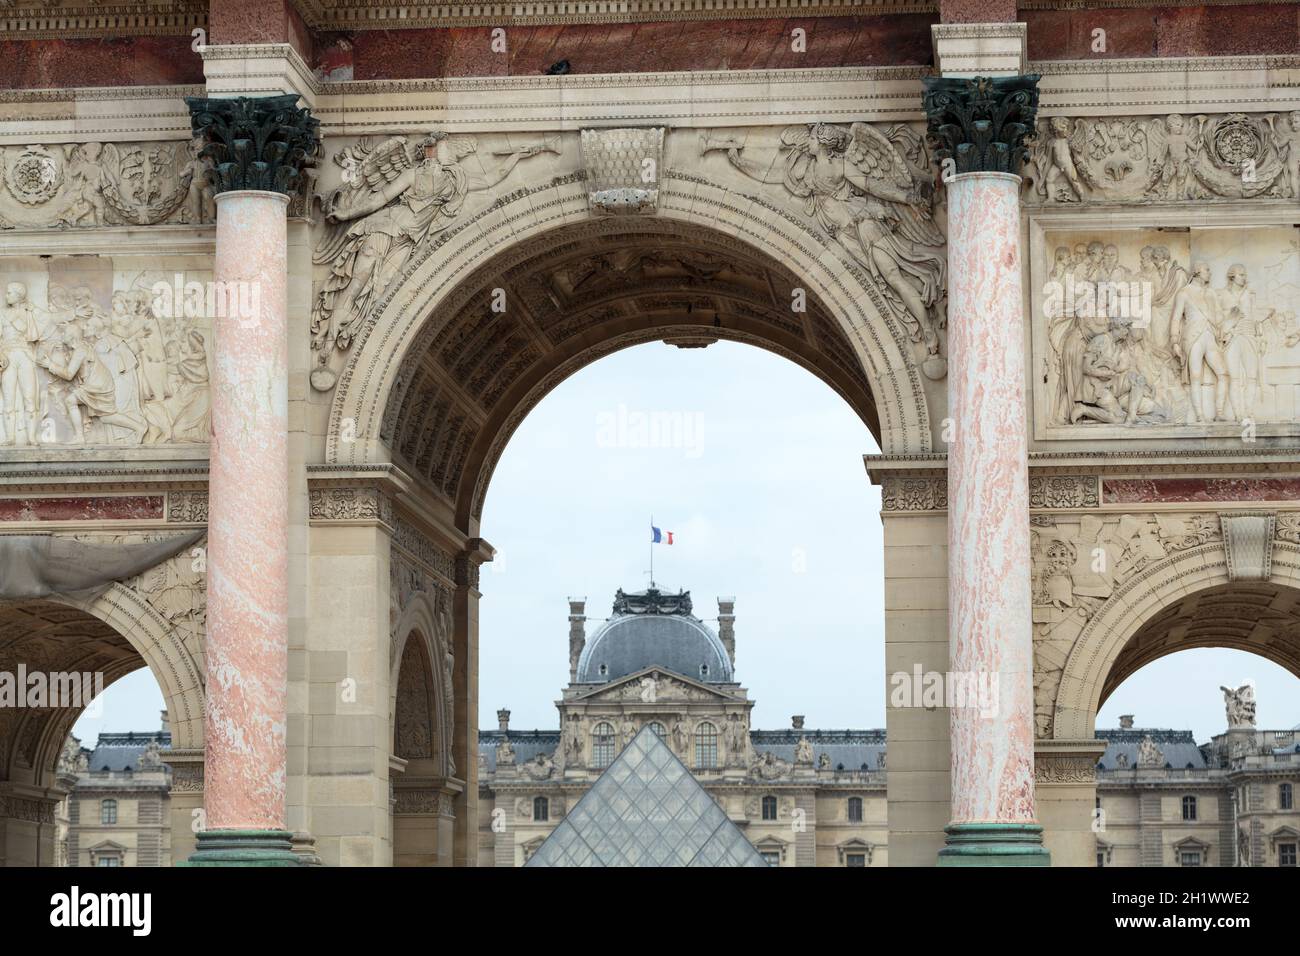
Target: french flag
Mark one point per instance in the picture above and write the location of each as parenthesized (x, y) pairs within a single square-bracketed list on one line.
[(660, 537)]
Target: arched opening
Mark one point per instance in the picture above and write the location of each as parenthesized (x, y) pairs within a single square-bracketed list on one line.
[(1201, 748), (69, 805), (523, 317), (524, 322), (422, 781), (1184, 604), (1260, 617)]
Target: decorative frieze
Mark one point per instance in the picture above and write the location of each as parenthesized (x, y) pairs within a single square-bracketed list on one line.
[(914, 494), (1064, 768), (1063, 491), (1171, 158), (26, 809), (187, 507), (350, 504), (95, 183)]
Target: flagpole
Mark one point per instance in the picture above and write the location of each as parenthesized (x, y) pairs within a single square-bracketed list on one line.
[(652, 551)]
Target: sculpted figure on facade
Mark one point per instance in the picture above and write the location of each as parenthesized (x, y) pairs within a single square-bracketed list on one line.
[(1149, 754), (869, 192), (107, 362), (1239, 704), (803, 752), (541, 767), (394, 197), (768, 766)]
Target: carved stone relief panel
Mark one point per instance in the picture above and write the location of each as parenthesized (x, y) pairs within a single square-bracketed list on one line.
[(78, 185), (384, 201), (99, 350), (868, 190), (1079, 561), (1162, 333), (1172, 158)]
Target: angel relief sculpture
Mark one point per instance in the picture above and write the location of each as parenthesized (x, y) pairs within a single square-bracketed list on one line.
[(871, 193), (394, 196)]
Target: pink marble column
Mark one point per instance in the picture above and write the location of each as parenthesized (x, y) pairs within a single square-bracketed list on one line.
[(989, 620), (248, 498)]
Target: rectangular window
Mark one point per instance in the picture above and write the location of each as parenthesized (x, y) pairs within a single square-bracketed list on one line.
[(1190, 858), (855, 859), (772, 858), (1286, 854), (1101, 859)]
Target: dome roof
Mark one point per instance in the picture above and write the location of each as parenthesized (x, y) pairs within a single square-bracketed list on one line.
[(652, 629)]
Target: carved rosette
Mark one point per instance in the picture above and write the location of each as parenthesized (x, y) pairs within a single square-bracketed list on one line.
[(981, 123), (260, 143)]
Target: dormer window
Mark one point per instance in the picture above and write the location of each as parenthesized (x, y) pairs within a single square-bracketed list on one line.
[(603, 670), (704, 670)]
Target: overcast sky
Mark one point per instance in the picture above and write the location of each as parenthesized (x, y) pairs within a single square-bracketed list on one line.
[(757, 469)]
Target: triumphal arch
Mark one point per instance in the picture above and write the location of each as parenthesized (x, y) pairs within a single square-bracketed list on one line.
[(282, 277)]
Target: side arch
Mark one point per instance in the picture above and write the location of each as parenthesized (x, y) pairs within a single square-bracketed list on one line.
[(421, 627), (1151, 609), (435, 286), (175, 665)]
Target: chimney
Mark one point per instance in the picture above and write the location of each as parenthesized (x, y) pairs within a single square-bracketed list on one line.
[(797, 721), (503, 720), (1125, 721), (577, 634), (166, 725), (727, 626)]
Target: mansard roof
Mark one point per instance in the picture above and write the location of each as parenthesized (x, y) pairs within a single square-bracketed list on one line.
[(1178, 746), (848, 749)]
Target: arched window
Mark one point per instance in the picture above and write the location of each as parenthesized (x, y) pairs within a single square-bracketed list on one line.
[(1189, 808), (706, 746), (602, 744), (1285, 796), (659, 730), (541, 809), (855, 809), (108, 811), (769, 808)]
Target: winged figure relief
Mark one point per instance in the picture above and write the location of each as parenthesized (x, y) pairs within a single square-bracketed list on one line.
[(394, 196), (1173, 144), (870, 192)]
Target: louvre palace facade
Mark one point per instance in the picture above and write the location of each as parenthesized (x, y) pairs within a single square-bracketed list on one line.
[(807, 797), (281, 279)]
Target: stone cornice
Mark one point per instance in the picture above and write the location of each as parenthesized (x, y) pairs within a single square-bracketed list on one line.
[(34, 21), (1192, 462), (342, 15), (59, 478)]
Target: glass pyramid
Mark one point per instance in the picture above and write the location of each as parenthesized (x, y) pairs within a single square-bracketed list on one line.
[(646, 810)]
